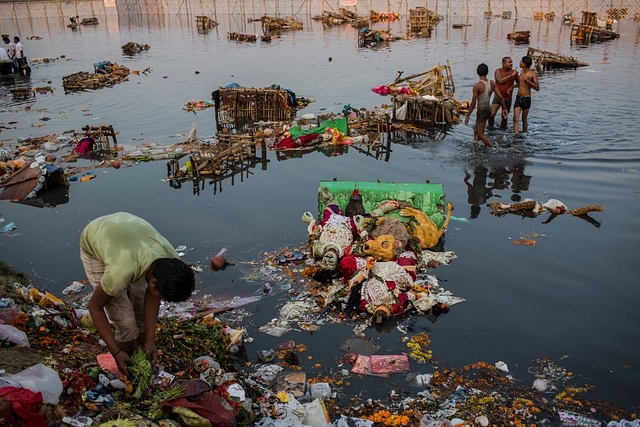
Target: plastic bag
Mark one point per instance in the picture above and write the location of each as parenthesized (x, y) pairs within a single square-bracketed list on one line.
[(355, 422), (192, 137), (428, 421), (38, 378), (313, 414), (13, 335)]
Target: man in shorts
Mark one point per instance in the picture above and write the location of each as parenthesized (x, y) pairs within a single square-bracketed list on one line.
[(528, 79), (506, 79), (132, 268), (481, 96)]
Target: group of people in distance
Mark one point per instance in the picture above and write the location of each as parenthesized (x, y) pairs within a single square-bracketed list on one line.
[(13, 58), (506, 78)]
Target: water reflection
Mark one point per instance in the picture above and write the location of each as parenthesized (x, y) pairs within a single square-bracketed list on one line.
[(328, 151), (214, 167), (49, 198), (479, 190)]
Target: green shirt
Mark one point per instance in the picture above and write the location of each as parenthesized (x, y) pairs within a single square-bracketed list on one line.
[(127, 245)]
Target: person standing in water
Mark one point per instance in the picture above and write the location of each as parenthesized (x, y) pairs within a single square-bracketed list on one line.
[(505, 78), (528, 79), (481, 96)]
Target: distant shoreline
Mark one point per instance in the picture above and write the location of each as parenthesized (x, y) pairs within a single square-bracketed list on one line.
[(523, 9)]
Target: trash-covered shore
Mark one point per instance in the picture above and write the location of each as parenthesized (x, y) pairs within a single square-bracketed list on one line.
[(205, 376)]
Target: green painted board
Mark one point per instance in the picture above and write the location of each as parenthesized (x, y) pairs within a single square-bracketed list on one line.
[(429, 198)]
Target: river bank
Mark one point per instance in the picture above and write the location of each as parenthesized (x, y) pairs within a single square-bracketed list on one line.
[(472, 395)]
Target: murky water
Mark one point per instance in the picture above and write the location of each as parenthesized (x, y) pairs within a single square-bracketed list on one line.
[(574, 293)]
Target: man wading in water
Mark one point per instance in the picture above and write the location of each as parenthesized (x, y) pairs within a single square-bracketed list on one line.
[(528, 79), (482, 95)]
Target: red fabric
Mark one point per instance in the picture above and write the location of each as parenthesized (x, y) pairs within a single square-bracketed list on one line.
[(75, 384), (348, 266), (301, 141), (287, 142), (208, 405), (24, 403), (84, 146)]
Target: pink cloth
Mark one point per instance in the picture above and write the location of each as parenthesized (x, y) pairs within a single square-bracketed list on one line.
[(106, 361)]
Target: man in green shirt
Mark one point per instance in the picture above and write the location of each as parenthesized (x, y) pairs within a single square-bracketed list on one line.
[(132, 268)]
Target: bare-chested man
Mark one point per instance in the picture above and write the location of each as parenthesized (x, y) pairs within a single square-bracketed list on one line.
[(505, 78), (528, 79)]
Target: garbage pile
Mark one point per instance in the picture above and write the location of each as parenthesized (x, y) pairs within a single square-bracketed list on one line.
[(132, 48)]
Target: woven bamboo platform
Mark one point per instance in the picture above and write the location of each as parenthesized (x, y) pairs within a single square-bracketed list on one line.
[(237, 106), (83, 80), (103, 135), (205, 23), (588, 30), (519, 37), (422, 20), (544, 60), (421, 111), (437, 81), (22, 93), (230, 156), (272, 23)]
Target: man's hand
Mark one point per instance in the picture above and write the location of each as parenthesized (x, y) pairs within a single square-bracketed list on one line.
[(466, 120), (123, 360), (505, 113), (152, 351)]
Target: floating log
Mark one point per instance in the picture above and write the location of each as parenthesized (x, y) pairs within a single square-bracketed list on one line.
[(243, 37), (89, 21)]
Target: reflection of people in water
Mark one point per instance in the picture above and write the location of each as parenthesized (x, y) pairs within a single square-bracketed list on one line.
[(500, 176), (477, 192), (519, 181)]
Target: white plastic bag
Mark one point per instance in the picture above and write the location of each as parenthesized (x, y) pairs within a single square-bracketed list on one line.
[(313, 414), (13, 335), (428, 421), (38, 378), (351, 421)]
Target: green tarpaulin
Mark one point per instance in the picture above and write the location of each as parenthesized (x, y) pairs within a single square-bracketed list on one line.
[(340, 124), (429, 198)]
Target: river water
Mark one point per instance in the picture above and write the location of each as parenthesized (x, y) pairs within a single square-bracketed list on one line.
[(575, 293)]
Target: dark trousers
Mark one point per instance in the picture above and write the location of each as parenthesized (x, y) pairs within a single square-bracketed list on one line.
[(23, 67)]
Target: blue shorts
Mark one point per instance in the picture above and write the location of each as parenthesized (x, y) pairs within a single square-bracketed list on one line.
[(523, 102)]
